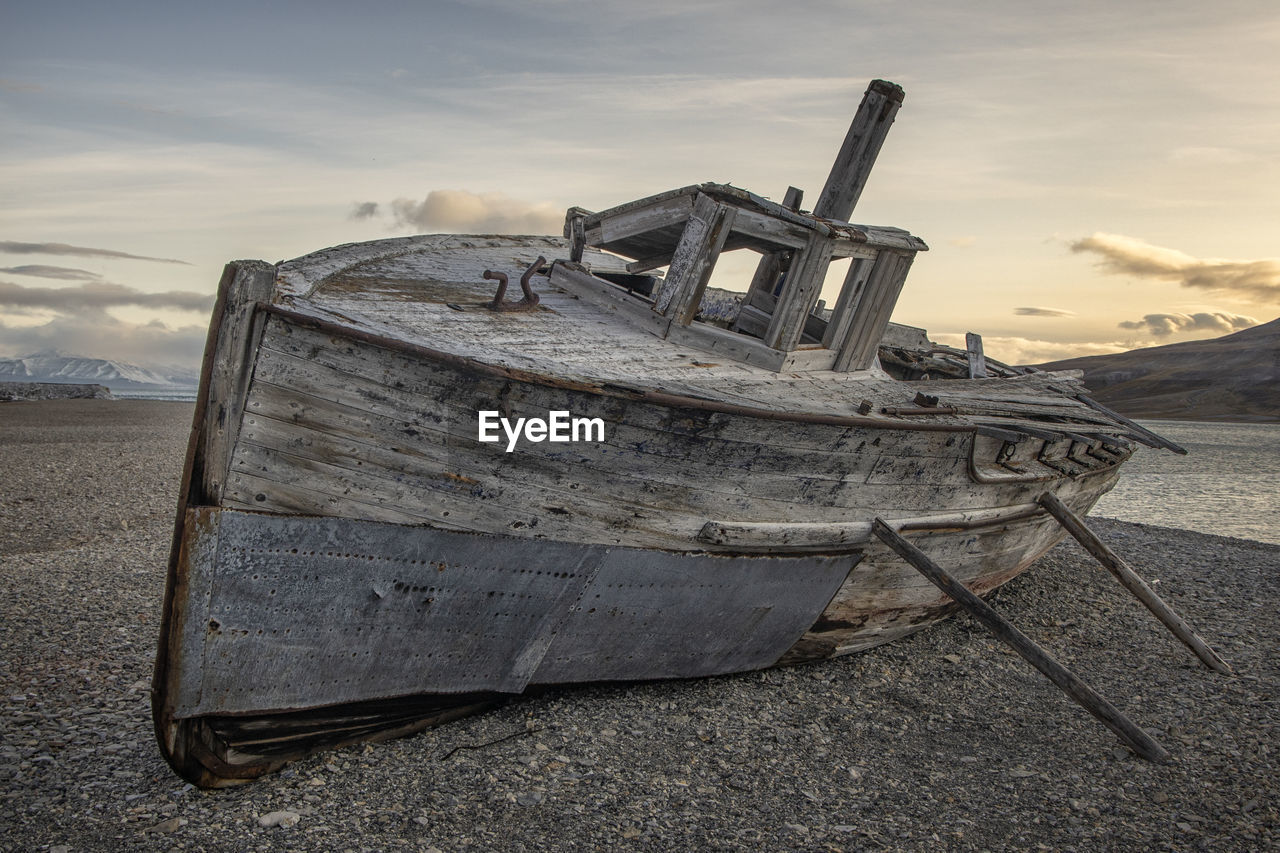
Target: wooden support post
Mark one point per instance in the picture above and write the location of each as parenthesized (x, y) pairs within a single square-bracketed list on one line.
[(694, 260), (575, 232), (1132, 581), (855, 282), (800, 294), (861, 342), (858, 153), (1134, 737), (770, 266), (230, 354), (977, 361)]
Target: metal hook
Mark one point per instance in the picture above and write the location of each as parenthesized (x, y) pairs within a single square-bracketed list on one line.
[(530, 300)]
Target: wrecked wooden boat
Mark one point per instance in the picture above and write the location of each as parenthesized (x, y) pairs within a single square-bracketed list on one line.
[(407, 498)]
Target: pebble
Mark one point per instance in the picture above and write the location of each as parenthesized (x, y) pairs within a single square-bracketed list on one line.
[(167, 826), (281, 818)]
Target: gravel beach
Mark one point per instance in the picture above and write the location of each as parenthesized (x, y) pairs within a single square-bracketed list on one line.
[(942, 740)]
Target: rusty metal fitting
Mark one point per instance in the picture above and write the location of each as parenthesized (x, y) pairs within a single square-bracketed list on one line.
[(530, 300)]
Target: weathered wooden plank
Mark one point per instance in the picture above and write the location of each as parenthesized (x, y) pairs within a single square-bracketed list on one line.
[(694, 259), (885, 597), (809, 359), (699, 445), (859, 150), (799, 294), (403, 371), (788, 233), (789, 388), (726, 344), (492, 491), (871, 314), (636, 311), (1075, 416), (810, 535), (651, 448), (676, 492), (662, 213), (1137, 430), (244, 284), (851, 290), (261, 494), (594, 219), (650, 262), (977, 360), (575, 232), (813, 495)]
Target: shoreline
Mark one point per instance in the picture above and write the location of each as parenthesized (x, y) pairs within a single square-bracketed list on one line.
[(941, 737), (1259, 421)]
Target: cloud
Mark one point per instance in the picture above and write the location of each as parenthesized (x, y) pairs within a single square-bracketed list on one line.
[(81, 323), (364, 210), (97, 297), (103, 336), (1043, 312), (1015, 350), (486, 213), (15, 248), (1257, 280), (43, 271), (1163, 325)]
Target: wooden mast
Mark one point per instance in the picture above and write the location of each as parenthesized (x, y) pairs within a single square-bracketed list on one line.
[(839, 196), (858, 154)]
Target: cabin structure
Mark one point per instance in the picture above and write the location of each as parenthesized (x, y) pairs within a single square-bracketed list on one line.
[(777, 325)]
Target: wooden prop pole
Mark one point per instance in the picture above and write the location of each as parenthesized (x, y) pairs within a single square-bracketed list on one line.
[(1132, 581), (1110, 716)]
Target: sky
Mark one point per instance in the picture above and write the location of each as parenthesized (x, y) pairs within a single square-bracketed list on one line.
[(1090, 177)]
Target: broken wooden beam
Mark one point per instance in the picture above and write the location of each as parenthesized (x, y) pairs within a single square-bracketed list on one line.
[(1138, 431), (977, 360), (859, 150), (1110, 716), (694, 259), (1132, 581)]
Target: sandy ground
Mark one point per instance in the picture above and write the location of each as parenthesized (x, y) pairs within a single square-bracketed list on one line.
[(944, 739)]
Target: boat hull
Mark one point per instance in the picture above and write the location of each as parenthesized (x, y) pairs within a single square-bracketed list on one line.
[(352, 563)]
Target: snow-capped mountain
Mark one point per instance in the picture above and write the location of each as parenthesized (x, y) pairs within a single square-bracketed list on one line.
[(54, 366)]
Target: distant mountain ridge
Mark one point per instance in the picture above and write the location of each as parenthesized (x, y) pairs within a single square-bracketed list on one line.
[(54, 366), (1232, 378)]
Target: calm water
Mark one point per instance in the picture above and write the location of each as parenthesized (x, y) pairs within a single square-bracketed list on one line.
[(1228, 483)]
